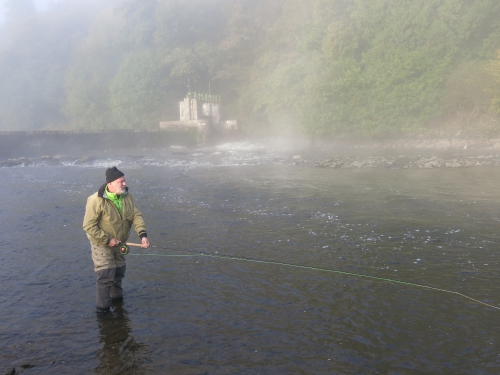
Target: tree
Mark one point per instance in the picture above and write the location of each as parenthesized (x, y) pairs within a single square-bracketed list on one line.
[(136, 92), (95, 62), (494, 71), (357, 67), (33, 59), (386, 64), (468, 93)]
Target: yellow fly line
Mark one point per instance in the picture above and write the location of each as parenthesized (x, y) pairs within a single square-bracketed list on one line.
[(254, 260)]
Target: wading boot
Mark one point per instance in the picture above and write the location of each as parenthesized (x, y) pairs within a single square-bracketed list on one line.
[(105, 311)]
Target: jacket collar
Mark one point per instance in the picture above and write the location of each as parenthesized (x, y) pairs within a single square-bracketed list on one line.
[(101, 193)]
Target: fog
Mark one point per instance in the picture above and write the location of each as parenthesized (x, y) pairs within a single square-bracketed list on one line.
[(323, 235), (40, 6), (320, 70)]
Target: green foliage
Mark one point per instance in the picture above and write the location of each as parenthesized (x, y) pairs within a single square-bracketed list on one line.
[(382, 67), (88, 79), (365, 67), (136, 92), (469, 92), (468, 88), (494, 71), (387, 64)]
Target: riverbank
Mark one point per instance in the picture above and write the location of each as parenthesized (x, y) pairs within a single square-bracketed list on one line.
[(332, 157), (417, 143), (405, 162), (417, 153)]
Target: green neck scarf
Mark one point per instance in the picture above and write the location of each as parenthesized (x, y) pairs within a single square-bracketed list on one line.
[(116, 199)]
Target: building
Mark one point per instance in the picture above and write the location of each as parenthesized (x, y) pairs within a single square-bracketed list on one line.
[(200, 107), (200, 111)]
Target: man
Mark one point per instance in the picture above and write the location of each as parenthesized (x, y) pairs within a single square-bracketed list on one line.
[(109, 215)]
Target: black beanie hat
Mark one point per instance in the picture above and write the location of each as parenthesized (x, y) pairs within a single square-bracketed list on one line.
[(113, 174)]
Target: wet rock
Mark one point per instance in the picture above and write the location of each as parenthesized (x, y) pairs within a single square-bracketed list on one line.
[(417, 162), (45, 159), (58, 159), (51, 160), (348, 162), (298, 160), (84, 159), (15, 162), (179, 150), (435, 162), (441, 144)]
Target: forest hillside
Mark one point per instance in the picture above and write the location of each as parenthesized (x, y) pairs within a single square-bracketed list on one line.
[(319, 68)]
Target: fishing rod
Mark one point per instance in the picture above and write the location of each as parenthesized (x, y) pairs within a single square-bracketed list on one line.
[(271, 262)]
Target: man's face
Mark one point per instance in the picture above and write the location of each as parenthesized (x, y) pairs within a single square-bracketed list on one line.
[(117, 186)]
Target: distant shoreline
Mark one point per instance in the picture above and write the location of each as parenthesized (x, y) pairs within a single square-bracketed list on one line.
[(441, 144)]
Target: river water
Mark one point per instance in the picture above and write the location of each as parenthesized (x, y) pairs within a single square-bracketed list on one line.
[(308, 307)]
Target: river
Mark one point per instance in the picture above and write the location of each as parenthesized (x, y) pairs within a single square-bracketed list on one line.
[(258, 266)]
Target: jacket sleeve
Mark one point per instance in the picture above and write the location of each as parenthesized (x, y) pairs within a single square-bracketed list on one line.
[(138, 221), (91, 219)]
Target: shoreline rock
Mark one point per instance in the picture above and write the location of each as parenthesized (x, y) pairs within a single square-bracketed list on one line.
[(403, 162), (430, 143), (48, 160)]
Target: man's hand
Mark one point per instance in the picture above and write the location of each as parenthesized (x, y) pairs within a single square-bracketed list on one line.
[(114, 242), (145, 242)]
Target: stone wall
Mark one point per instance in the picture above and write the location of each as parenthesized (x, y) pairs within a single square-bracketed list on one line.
[(39, 143)]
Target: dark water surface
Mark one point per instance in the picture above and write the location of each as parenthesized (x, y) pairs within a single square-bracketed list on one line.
[(189, 314)]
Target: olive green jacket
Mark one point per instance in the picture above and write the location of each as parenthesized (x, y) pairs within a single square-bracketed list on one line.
[(103, 220)]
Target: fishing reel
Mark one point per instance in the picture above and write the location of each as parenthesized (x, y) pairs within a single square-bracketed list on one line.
[(124, 249)]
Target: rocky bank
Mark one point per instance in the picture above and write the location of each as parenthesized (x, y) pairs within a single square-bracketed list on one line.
[(426, 143), (403, 162)]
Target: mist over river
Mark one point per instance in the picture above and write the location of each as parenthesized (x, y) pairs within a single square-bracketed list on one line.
[(197, 302)]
